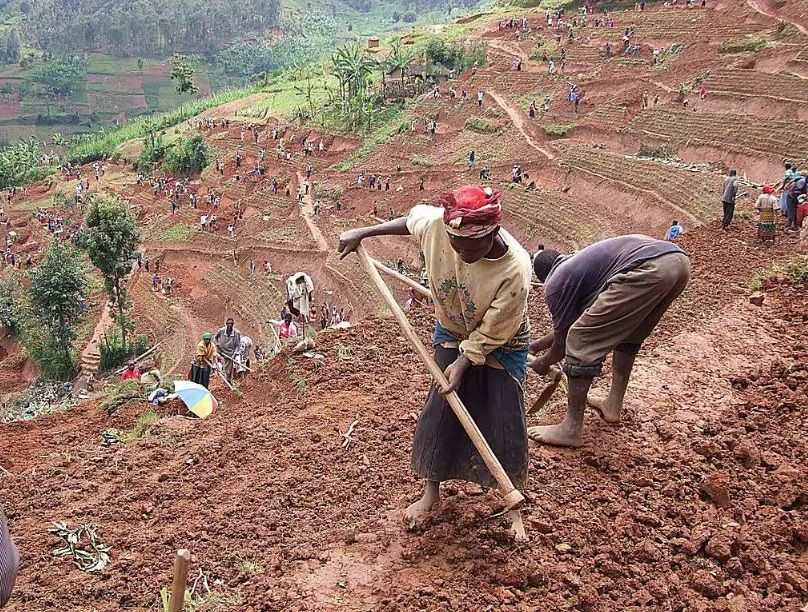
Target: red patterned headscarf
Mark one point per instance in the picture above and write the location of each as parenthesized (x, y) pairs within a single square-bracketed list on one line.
[(471, 211)]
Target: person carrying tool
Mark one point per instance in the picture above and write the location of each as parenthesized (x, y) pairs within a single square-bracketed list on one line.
[(228, 340), (206, 357), (606, 298), (480, 277)]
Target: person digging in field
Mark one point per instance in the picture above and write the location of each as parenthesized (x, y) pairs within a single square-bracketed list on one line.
[(674, 231), (480, 277), (606, 298), (728, 198), (206, 356), (228, 339), (765, 205)]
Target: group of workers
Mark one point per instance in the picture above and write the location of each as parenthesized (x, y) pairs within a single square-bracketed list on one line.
[(605, 299)]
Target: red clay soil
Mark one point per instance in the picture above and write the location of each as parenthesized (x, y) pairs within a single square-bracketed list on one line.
[(690, 504), (695, 502)]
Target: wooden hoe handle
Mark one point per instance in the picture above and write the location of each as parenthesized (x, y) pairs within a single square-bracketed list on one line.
[(512, 496), (181, 563)]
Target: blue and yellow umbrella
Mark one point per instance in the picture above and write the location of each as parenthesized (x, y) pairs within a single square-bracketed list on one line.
[(199, 400)]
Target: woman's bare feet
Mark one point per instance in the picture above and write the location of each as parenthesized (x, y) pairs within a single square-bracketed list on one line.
[(607, 411), (416, 511), (563, 434), (517, 527)]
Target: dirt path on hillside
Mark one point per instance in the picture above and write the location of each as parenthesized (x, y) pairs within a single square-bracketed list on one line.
[(756, 6), (518, 121), (307, 212)]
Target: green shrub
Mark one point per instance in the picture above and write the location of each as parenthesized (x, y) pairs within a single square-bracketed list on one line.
[(188, 156), (797, 270), (117, 395), (482, 126), (113, 354), (743, 45), (661, 152), (154, 151), (555, 130)]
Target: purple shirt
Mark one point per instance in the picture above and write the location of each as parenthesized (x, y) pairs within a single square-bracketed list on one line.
[(577, 279)]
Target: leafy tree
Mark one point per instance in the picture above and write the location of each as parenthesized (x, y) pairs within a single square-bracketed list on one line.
[(189, 156), (182, 71), (154, 151), (58, 77), (11, 291), (149, 28), (409, 18), (20, 163), (12, 47), (111, 240), (396, 16), (398, 59), (58, 287)]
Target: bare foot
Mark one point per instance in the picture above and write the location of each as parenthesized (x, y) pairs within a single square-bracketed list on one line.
[(517, 527), (556, 435), (416, 511), (602, 406)]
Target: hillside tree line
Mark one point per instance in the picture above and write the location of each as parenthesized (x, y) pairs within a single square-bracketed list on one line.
[(147, 27)]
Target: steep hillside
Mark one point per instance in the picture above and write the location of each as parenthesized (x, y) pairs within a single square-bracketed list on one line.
[(696, 501)]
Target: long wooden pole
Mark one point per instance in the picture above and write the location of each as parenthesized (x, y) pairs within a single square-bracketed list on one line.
[(512, 496), (181, 563)]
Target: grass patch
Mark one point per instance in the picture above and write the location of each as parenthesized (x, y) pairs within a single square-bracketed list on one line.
[(743, 45), (143, 427), (393, 122), (795, 270), (179, 232), (93, 147), (116, 396), (418, 160), (661, 152), (557, 130), (482, 126)]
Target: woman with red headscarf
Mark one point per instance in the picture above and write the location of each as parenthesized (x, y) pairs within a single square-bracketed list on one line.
[(480, 278), (765, 205)]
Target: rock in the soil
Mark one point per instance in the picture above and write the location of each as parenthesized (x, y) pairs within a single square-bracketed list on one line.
[(747, 454), (706, 584), (756, 299), (717, 489), (719, 546)]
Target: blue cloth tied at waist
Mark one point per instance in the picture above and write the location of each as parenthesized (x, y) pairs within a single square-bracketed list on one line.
[(512, 358)]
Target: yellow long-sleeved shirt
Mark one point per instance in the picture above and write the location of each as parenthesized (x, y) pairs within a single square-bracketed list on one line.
[(484, 304), (205, 353)]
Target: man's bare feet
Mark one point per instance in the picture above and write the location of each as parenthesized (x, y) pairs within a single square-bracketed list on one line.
[(604, 407), (517, 527), (562, 434), (416, 511)]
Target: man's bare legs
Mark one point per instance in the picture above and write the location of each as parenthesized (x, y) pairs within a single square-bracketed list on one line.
[(611, 406), (416, 511), (570, 431)]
